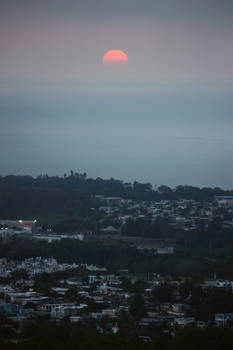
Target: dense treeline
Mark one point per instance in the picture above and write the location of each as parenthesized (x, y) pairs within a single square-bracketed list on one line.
[(72, 197), (25, 197), (65, 336), (111, 187), (205, 236), (185, 262)]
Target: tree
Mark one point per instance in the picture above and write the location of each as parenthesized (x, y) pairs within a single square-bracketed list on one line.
[(7, 331), (137, 306), (139, 286), (44, 282), (30, 305), (164, 293), (19, 274), (165, 190), (126, 284)]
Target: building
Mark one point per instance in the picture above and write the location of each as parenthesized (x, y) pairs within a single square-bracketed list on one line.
[(18, 226), (109, 230), (224, 200)]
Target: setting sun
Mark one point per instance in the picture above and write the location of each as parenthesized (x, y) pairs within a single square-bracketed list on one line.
[(115, 58)]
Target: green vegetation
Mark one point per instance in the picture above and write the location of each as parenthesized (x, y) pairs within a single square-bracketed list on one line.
[(67, 202), (196, 263), (66, 336)]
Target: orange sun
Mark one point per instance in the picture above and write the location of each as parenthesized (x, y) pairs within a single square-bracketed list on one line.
[(115, 58)]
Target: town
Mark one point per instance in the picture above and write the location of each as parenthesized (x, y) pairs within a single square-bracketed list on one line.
[(112, 299), (88, 292)]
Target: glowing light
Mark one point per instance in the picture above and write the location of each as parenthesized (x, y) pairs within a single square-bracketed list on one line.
[(115, 58)]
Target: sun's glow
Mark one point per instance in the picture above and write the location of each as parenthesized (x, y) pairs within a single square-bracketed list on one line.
[(115, 58)]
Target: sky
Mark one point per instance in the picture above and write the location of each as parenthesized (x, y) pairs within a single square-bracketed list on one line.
[(165, 118)]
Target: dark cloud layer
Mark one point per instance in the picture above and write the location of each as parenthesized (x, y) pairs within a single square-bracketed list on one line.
[(122, 8)]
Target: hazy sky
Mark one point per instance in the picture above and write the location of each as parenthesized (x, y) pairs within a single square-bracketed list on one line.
[(166, 118)]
